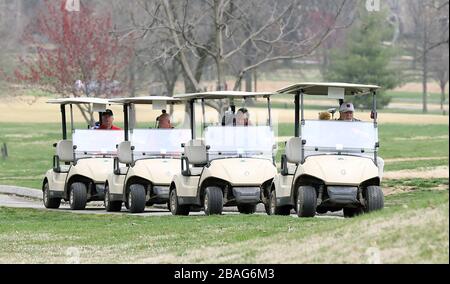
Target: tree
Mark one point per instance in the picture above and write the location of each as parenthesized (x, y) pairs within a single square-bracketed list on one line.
[(251, 33), (430, 19), (70, 47), (365, 59), (440, 70)]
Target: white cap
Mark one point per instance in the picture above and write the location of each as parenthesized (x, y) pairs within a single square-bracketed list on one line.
[(347, 107)]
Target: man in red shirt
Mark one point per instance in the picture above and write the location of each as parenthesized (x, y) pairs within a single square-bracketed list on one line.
[(107, 121)]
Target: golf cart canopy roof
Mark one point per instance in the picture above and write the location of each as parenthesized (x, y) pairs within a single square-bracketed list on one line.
[(75, 101), (323, 89), (222, 95), (146, 100)]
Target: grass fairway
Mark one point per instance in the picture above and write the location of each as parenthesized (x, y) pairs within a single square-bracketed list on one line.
[(31, 151), (412, 229)]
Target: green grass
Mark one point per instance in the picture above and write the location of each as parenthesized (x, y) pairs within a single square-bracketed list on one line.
[(418, 184), (410, 165), (414, 97), (30, 148), (41, 237), (414, 141)]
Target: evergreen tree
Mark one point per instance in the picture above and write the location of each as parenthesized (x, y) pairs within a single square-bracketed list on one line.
[(365, 59)]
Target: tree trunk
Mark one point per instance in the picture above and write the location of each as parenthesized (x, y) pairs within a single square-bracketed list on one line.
[(425, 83), (443, 97), (220, 62), (425, 62)]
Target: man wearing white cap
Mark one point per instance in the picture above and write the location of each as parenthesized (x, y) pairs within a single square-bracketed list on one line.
[(347, 111)]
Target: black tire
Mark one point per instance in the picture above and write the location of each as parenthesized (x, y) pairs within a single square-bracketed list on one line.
[(111, 206), (136, 198), (374, 198), (306, 202), (175, 208), (352, 212), (78, 196), (247, 209), (50, 203), (213, 201), (277, 210)]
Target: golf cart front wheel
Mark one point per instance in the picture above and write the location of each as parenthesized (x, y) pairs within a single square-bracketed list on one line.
[(50, 203), (246, 209), (78, 196), (213, 201), (175, 208), (306, 202), (111, 206), (136, 198), (274, 209), (374, 199)]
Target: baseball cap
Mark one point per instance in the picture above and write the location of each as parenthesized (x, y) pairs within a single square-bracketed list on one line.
[(108, 112), (347, 107)]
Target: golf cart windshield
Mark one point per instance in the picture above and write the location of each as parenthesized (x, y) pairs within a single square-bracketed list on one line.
[(331, 137), (239, 141), (96, 143), (154, 143)]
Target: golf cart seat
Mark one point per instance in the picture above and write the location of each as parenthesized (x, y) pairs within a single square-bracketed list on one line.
[(64, 150), (64, 156), (195, 153), (124, 156), (293, 156)]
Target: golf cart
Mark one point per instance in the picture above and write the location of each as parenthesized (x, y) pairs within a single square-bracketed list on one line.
[(81, 165), (233, 162), (146, 160), (329, 165)]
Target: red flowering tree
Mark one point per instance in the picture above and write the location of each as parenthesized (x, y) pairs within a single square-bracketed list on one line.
[(73, 53)]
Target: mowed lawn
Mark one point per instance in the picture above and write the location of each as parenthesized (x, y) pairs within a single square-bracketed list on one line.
[(413, 228), (30, 149)]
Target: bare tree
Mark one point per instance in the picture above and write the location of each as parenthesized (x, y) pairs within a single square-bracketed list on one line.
[(264, 31), (430, 20)]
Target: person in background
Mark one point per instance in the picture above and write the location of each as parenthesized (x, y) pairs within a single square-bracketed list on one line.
[(243, 117), (347, 111), (163, 121), (107, 121)]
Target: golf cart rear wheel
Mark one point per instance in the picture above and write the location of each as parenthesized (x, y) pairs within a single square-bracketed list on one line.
[(112, 206), (78, 196), (213, 201), (306, 202), (246, 209), (50, 203), (274, 209), (136, 198), (352, 212), (175, 208), (374, 198)]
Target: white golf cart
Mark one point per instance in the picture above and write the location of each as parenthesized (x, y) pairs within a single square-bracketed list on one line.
[(146, 160), (81, 165), (329, 165), (233, 163)]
